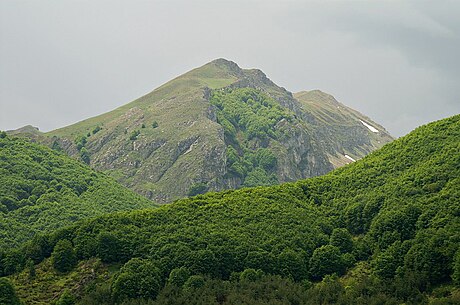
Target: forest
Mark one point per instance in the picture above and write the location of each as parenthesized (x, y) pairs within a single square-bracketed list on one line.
[(42, 189), (383, 230)]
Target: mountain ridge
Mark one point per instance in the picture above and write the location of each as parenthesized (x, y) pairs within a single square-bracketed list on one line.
[(188, 148)]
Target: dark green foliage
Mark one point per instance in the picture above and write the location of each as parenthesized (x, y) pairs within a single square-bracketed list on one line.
[(63, 257), (326, 260), (109, 247), (143, 125), (41, 190), (198, 188), (154, 124), (31, 268), (8, 294), (456, 269), (194, 282), (84, 155), (138, 278), (179, 276), (81, 142), (96, 129), (133, 136), (66, 298)]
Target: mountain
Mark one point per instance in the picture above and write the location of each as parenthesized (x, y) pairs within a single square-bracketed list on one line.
[(387, 226), (219, 127), (43, 190)]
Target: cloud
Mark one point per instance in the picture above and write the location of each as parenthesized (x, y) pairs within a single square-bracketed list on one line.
[(61, 62)]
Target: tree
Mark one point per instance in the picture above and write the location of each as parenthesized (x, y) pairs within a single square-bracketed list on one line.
[(179, 276), (194, 282), (138, 278), (8, 294), (341, 238), (154, 124), (108, 247), (292, 264), (63, 257), (326, 260)]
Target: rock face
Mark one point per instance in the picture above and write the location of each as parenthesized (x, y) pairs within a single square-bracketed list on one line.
[(172, 142)]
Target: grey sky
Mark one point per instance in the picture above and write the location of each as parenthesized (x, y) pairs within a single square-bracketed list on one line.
[(64, 61)]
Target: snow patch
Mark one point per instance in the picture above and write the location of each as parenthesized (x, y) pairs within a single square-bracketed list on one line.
[(349, 158), (371, 128)]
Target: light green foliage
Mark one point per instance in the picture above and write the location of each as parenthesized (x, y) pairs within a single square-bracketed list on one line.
[(41, 189), (251, 275), (247, 110), (66, 298), (248, 117)]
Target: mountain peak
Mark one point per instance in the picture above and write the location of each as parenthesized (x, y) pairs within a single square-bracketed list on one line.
[(226, 65)]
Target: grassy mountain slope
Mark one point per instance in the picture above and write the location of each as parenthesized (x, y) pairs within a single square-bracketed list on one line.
[(42, 190), (390, 223), (345, 128), (178, 140)]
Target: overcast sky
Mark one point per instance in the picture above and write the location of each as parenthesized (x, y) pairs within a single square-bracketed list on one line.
[(63, 61)]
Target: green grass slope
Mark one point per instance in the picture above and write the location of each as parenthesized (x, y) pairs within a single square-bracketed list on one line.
[(42, 190), (343, 127), (387, 226)]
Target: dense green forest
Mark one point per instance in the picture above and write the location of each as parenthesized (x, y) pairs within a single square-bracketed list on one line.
[(248, 117), (383, 230), (42, 190)]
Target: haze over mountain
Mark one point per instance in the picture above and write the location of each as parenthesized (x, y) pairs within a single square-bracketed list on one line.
[(218, 127)]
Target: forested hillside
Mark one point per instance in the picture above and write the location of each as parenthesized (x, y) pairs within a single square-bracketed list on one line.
[(383, 230), (43, 190)]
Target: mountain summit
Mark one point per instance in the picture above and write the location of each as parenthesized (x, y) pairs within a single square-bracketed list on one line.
[(219, 127)]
